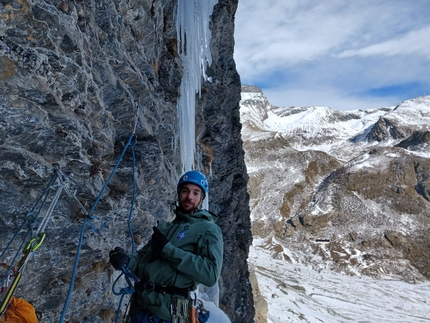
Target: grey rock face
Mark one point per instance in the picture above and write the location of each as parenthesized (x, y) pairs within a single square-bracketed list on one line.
[(77, 79), (418, 141), (383, 130)]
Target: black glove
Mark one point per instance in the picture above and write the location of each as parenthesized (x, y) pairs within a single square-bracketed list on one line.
[(158, 241), (118, 258)]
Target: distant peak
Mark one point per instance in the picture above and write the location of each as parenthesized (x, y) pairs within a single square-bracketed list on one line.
[(251, 89)]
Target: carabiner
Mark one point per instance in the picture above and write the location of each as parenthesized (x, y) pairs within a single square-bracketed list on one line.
[(29, 247)]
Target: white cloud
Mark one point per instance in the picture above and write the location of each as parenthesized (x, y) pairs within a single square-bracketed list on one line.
[(415, 42), (325, 97), (339, 47), (274, 34)]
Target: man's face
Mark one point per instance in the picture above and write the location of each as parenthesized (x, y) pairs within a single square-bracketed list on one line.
[(189, 197)]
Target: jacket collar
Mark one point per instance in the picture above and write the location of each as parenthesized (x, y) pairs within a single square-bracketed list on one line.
[(198, 214)]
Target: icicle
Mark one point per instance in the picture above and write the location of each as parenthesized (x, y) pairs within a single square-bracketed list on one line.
[(192, 25)]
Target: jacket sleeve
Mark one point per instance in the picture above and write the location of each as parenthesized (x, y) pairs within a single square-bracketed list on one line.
[(203, 267), (136, 257)]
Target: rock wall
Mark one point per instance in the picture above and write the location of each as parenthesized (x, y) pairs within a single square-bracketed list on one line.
[(77, 80)]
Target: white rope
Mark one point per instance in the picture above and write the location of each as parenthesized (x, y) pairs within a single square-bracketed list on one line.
[(136, 116), (73, 196), (50, 210)]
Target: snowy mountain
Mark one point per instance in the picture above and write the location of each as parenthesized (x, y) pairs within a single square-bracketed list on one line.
[(342, 134), (345, 193)]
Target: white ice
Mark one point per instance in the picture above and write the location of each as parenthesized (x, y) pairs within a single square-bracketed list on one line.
[(192, 25)]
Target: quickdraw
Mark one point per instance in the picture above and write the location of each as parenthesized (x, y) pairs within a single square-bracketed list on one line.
[(189, 310), (198, 312), (179, 310), (29, 248)]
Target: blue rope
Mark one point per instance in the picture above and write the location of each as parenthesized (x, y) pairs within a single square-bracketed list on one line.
[(126, 290), (110, 178), (129, 276), (125, 271), (130, 215), (88, 221), (75, 267)]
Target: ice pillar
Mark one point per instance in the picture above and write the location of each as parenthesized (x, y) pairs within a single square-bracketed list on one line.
[(192, 25)]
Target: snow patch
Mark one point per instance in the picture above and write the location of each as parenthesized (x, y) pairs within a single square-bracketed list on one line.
[(296, 293)]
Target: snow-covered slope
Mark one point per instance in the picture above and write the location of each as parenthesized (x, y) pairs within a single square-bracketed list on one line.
[(297, 293)]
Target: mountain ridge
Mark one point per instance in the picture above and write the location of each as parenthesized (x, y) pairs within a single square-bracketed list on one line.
[(312, 127), (346, 191)]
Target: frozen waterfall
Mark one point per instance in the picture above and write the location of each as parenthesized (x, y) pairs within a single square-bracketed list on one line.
[(192, 25)]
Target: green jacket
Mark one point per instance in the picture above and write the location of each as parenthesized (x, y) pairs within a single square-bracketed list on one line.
[(192, 256)]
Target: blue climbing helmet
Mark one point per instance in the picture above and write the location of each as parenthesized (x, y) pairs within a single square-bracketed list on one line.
[(194, 177)]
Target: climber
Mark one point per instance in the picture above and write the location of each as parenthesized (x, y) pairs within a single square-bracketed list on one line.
[(180, 255)]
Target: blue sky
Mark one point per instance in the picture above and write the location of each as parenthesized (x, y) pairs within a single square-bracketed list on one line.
[(343, 54)]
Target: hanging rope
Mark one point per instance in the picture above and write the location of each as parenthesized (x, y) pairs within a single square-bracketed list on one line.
[(129, 276), (62, 177), (31, 219), (136, 115), (51, 208), (90, 217)]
